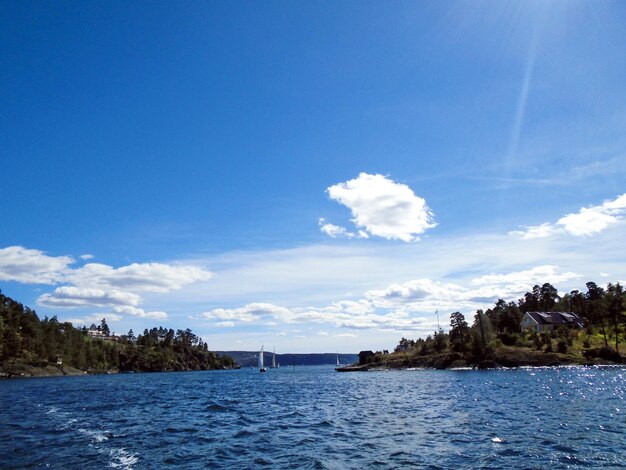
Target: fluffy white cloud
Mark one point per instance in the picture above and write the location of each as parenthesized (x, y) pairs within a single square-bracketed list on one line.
[(586, 222), (146, 277), (94, 284), (410, 306), (382, 207), (249, 313), (69, 296), (32, 266), (139, 312), (340, 314), (522, 280), (424, 295), (414, 291), (87, 256)]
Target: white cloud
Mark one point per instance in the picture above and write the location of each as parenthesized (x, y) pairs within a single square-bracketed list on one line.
[(424, 295), (249, 313), (225, 324), (146, 277), (334, 231), (69, 296), (413, 291), (29, 266), (87, 256), (95, 285), (409, 306), (139, 312), (538, 231), (587, 221), (526, 278), (382, 207), (95, 318)]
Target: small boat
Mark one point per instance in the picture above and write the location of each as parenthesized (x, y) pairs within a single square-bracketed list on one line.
[(261, 366), (274, 366)]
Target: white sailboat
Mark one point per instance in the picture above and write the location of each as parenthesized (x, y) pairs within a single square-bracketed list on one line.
[(274, 366), (261, 366), (338, 360)]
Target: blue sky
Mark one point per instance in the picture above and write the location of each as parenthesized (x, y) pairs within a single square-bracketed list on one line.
[(319, 176)]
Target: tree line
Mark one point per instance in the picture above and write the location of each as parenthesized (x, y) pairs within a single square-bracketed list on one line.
[(25, 337), (602, 309)]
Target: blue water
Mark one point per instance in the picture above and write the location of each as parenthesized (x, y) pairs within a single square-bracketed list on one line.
[(313, 417)]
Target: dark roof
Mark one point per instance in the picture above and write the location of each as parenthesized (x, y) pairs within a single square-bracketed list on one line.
[(556, 318), (366, 353)]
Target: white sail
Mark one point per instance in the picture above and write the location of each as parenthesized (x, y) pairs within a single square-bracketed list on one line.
[(274, 359), (338, 359), (261, 358)]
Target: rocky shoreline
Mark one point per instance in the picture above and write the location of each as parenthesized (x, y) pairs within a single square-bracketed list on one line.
[(504, 357), (16, 369)]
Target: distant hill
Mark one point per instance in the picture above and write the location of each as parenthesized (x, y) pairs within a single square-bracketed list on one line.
[(250, 358)]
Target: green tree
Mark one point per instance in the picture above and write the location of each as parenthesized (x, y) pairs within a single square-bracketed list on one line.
[(104, 327), (404, 345), (615, 303), (531, 300), (595, 308), (439, 341), (459, 332), (548, 297)]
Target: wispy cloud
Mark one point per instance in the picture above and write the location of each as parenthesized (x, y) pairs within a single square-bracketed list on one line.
[(381, 207)]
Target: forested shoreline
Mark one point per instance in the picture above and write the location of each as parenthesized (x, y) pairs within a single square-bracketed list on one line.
[(59, 348), (496, 338)]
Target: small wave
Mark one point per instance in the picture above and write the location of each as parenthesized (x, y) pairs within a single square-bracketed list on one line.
[(120, 458), (262, 461), (216, 407), (325, 423), (96, 436), (180, 430)]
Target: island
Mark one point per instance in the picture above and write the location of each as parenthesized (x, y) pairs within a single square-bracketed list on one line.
[(541, 329), (31, 347)]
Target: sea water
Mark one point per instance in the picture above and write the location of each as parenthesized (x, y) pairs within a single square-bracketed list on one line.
[(314, 417)]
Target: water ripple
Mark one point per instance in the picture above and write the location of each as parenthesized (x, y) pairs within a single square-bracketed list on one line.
[(312, 417)]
